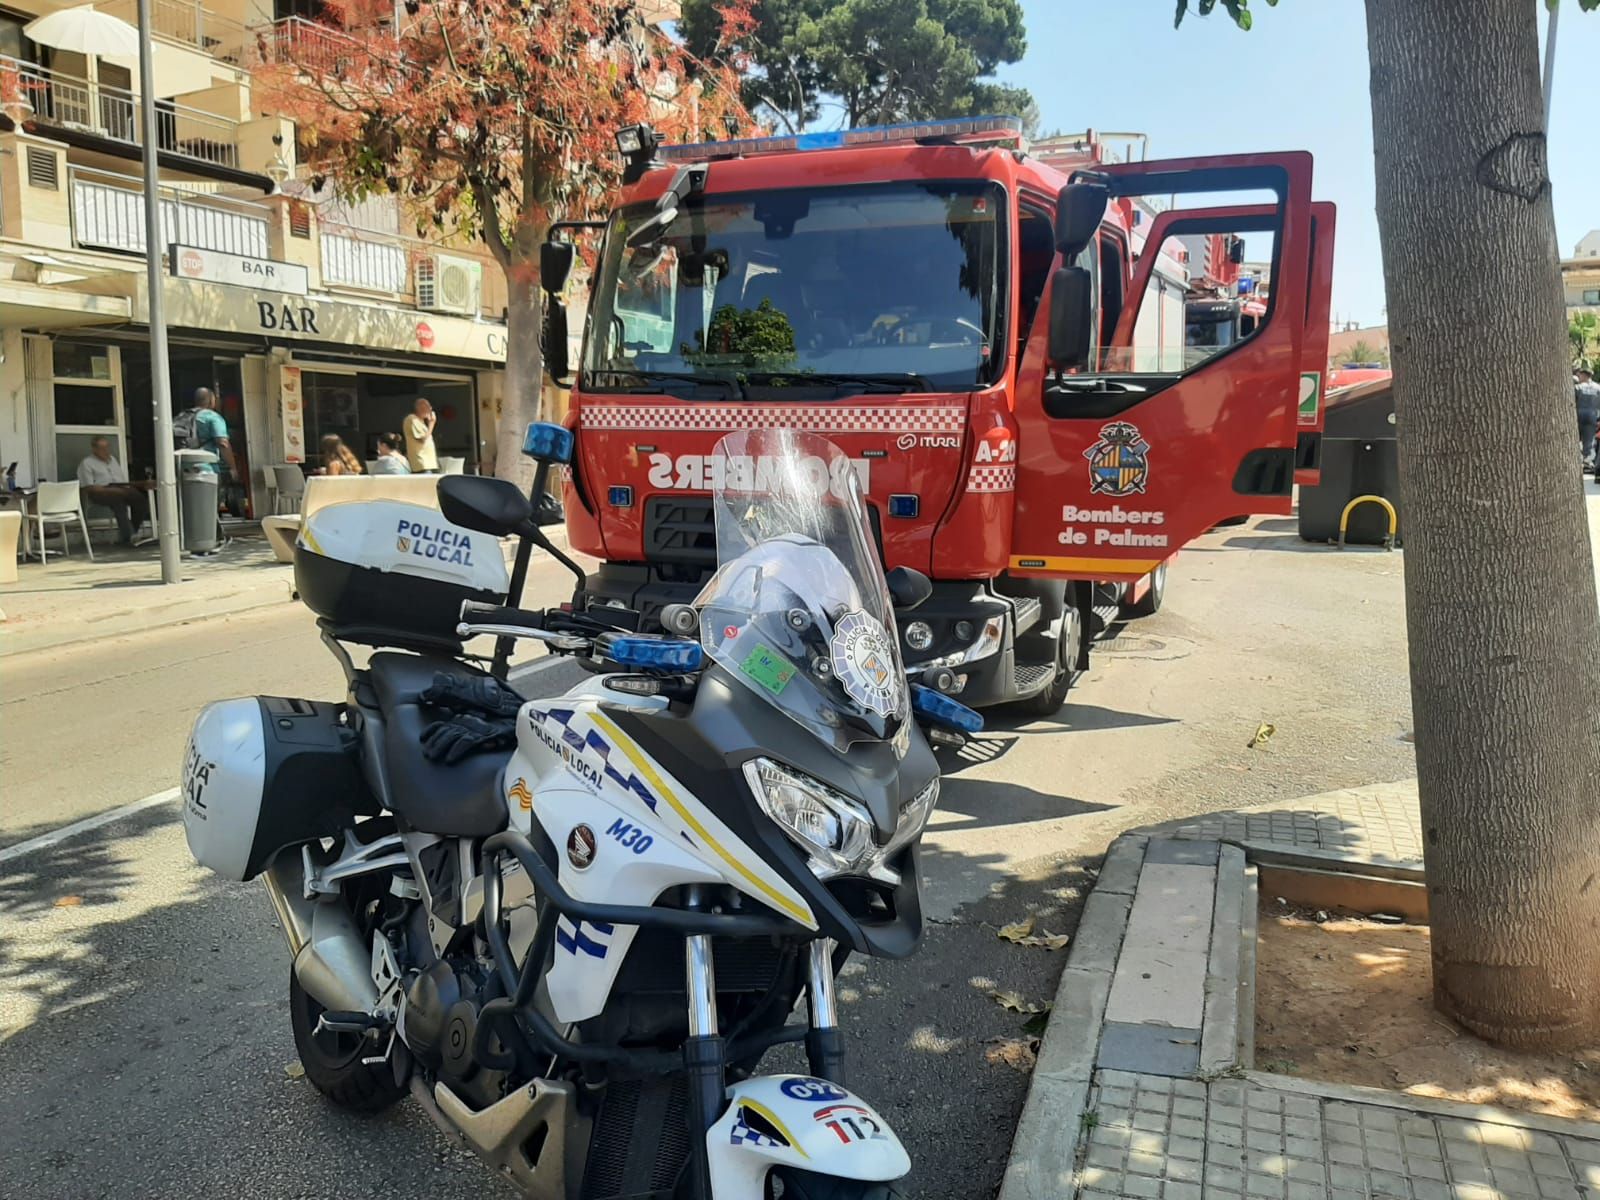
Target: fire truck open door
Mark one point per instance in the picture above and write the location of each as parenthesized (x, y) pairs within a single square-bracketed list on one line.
[(1319, 324), (1124, 461)]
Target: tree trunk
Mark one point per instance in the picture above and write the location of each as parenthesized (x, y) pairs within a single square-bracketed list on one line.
[(1500, 587), (524, 383)]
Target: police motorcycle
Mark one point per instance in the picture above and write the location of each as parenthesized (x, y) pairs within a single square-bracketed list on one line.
[(571, 928)]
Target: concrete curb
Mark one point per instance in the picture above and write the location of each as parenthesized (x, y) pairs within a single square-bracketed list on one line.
[(1044, 1152), (175, 610)]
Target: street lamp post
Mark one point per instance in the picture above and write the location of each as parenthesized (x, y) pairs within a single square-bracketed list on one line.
[(160, 384)]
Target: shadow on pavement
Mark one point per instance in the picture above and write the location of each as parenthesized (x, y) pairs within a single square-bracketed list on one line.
[(989, 803), (163, 1002)]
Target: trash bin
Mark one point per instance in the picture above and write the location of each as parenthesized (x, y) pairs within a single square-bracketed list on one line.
[(199, 505), (1360, 457)]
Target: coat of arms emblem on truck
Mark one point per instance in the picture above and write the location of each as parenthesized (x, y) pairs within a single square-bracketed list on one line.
[(1119, 463)]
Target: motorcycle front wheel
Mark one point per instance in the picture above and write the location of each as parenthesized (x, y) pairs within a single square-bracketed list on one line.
[(333, 1060), (789, 1184)]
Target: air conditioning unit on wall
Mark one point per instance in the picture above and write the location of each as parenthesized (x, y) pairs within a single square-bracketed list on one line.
[(448, 284)]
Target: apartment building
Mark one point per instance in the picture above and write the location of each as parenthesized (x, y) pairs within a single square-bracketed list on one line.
[(305, 315)]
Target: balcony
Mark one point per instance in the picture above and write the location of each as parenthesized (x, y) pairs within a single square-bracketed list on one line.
[(75, 105), (319, 49), (108, 214), (187, 23)]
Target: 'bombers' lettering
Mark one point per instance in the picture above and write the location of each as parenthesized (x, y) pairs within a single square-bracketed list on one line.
[(1115, 515), (747, 473)]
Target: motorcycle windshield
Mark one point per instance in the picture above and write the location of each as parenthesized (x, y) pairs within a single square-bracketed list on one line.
[(798, 610)]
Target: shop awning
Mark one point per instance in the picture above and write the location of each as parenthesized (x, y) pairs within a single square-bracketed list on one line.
[(33, 306)]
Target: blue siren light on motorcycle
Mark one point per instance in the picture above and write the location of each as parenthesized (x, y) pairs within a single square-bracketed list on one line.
[(548, 442), (655, 654), (938, 708)]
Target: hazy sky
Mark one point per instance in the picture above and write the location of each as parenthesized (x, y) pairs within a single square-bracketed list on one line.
[(1297, 81)]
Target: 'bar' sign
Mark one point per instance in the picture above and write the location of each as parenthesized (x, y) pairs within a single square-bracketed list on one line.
[(213, 266)]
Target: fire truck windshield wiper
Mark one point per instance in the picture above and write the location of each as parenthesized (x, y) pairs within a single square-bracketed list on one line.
[(669, 383), (847, 385)]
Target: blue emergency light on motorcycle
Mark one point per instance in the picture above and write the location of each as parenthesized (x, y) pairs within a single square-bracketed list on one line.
[(939, 709), (965, 131), (548, 442), (655, 654)]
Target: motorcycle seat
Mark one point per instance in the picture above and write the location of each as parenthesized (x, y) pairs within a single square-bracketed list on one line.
[(464, 799)]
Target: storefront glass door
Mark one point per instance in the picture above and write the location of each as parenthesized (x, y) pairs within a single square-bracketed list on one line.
[(86, 382)]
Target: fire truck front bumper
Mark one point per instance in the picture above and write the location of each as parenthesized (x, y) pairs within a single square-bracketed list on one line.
[(968, 629)]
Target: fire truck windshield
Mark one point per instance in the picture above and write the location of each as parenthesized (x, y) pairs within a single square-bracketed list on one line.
[(874, 288)]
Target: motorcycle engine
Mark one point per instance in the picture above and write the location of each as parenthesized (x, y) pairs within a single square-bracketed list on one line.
[(439, 1024)]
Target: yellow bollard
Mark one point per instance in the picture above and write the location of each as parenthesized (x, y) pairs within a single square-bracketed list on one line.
[(1394, 518)]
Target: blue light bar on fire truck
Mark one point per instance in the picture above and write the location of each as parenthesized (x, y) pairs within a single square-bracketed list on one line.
[(960, 131)]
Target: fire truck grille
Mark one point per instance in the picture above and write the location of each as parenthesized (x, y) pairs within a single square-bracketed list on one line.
[(680, 530)]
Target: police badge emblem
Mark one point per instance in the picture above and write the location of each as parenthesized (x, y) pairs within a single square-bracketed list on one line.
[(1119, 463), (863, 661)]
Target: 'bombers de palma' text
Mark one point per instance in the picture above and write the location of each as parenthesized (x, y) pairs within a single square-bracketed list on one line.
[(1072, 516)]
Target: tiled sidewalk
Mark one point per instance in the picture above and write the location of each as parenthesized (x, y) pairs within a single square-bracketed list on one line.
[(1158, 1138), (1376, 824)]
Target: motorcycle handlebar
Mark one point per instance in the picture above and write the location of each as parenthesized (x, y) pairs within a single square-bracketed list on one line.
[(476, 612)]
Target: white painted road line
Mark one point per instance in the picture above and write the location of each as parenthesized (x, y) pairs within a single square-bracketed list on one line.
[(56, 836)]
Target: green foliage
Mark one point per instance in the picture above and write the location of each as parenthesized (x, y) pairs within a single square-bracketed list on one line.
[(880, 60), (759, 337), (1583, 331)]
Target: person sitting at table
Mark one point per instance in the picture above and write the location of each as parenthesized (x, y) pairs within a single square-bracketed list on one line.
[(104, 481), (337, 458), (391, 458)]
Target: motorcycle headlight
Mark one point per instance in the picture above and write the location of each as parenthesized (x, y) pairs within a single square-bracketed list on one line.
[(834, 829)]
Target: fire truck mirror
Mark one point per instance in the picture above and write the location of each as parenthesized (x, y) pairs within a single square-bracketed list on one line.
[(553, 340), (908, 587), (555, 264), (1079, 209), (1071, 314)]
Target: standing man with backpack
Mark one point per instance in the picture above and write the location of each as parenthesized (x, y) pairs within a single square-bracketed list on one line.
[(201, 427)]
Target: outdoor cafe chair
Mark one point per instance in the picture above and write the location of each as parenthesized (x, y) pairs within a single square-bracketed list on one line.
[(288, 484), (61, 504)]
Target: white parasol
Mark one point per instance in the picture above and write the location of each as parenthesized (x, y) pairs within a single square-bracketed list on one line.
[(85, 30)]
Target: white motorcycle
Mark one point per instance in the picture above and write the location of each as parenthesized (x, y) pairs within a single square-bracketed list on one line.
[(571, 928)]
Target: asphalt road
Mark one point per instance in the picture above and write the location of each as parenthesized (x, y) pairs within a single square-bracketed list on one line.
[(143, 1037)]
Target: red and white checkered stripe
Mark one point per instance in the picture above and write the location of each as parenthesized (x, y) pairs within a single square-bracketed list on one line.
[(816, 418), (992, 479)]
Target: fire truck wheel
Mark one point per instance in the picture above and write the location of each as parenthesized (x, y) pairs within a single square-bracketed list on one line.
[(1069, 646), (1149, 604)]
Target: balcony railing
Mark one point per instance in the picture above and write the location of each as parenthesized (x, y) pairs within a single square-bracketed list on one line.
[(315, 47), (373, 266), (69, 102), (187, 23), (108, 214)]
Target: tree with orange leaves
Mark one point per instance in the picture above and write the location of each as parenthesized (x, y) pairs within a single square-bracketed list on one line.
[(494, 118)]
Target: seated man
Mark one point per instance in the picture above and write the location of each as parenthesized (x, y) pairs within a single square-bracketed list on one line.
[(104, 481)]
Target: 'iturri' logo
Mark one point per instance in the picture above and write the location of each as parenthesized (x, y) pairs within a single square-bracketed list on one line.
[(1119, 463)]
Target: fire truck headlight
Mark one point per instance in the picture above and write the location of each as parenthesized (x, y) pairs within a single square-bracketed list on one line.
[(965, 630), (919, 635)]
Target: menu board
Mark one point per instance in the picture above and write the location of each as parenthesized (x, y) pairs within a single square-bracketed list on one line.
[(292, 408)]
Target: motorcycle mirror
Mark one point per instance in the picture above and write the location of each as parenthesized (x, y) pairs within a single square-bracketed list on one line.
[(483, 503), (907, 587)]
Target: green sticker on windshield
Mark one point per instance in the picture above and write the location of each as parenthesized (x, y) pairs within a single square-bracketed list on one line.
[(768, 668)]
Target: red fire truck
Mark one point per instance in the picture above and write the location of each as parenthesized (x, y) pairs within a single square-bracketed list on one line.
[(982, 332)]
